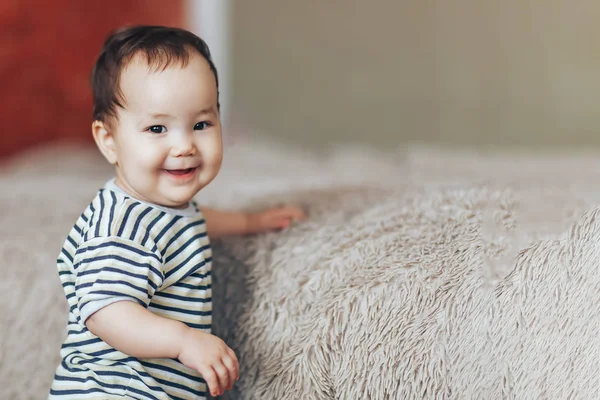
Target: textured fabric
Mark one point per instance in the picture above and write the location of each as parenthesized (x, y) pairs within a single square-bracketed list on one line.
[(419, 273), (121, 249)]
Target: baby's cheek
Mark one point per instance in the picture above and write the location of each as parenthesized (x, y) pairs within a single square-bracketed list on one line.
[(212, 153), (144, 170), (151, 159)]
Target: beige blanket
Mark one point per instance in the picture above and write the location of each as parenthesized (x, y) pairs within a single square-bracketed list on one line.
[(419, 274)]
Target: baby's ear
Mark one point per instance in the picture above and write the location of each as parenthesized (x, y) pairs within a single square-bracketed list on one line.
[(105, 141)]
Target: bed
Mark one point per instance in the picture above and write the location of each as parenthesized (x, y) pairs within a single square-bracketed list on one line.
[(420, 273)]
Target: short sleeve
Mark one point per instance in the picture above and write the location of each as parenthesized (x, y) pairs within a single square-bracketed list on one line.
[(114, 269)]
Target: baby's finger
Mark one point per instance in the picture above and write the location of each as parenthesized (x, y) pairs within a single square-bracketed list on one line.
[(295, 213), (232, 368), (236, 363), (223, 375), (210, 377), (284, 210), (283, 223)]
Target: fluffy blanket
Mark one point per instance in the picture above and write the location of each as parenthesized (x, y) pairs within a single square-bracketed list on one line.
[(419, 274)]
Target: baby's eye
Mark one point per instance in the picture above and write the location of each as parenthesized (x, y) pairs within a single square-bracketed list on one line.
[(200, 126), (157, 129)]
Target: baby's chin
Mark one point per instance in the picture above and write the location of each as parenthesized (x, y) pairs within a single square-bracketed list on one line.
[(174, 202)]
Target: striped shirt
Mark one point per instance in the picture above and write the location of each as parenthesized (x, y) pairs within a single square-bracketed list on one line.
[(122, 249)]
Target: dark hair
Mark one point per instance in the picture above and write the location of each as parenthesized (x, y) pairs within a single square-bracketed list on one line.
[(161, 46)]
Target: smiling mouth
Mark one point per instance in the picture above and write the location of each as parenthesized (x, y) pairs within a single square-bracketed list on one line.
[(180, 172)]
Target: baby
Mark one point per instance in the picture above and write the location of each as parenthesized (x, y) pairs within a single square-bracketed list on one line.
[(136, 267)]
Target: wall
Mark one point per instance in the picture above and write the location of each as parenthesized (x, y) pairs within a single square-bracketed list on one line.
[(211, 20), (389, 72), (47, 50)]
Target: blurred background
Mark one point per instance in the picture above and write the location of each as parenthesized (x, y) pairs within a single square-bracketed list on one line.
[(310, 73)]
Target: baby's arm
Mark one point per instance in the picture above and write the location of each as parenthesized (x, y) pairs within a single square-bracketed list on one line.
[(115, 280), (221, 223), (133, 330)]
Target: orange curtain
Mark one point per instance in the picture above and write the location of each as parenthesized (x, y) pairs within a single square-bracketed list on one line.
[(47, 50)]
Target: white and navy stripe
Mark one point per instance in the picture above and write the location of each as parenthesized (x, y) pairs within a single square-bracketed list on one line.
[(121, 249)]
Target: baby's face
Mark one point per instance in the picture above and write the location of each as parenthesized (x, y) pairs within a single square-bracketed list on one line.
[(168, 138)]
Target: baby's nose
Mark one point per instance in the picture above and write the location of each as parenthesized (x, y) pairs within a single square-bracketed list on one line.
[(184, 147)]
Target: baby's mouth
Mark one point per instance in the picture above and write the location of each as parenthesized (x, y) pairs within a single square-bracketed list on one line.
[(180, 171)]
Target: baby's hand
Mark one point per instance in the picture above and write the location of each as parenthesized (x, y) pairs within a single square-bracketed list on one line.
[(212, 358), (275, 218)]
